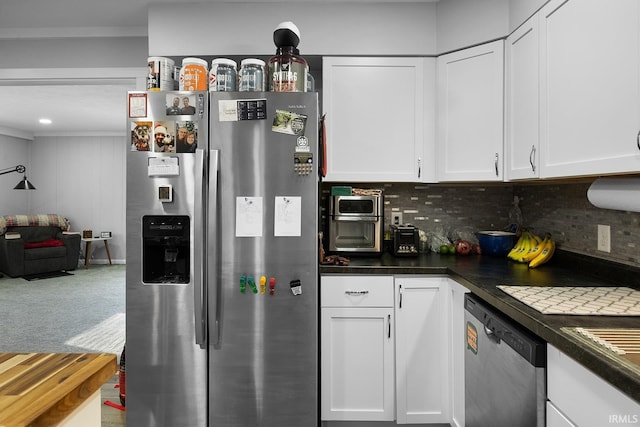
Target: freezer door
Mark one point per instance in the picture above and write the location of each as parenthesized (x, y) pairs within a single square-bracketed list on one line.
[(263, 362), (166, 369)]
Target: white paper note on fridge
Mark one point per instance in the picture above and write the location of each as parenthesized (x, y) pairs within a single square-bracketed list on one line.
[(249, 216), (287, 216)]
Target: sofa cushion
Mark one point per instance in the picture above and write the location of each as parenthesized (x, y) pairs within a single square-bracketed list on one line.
[(36, 234), (52, 220), (43, 253), (44, 244)]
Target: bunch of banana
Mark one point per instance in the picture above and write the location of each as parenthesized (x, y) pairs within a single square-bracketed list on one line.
[(533, 250), (548, 248)]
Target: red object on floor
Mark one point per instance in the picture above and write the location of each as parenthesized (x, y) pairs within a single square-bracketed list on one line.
[(114, 405)]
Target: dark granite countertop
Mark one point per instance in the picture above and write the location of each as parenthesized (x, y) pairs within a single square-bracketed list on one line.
[(482, 274)]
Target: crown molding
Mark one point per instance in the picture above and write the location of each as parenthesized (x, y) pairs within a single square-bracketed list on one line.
[(70, 32)]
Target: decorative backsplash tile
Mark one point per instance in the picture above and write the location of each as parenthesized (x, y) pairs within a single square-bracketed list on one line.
[(559, 208)]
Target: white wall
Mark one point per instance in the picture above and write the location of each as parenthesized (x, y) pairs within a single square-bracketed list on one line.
[(84, 180), (15, 151), (463, 23), (327, 28)]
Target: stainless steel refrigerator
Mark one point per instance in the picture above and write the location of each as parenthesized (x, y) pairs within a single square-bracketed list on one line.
[(222, 259)]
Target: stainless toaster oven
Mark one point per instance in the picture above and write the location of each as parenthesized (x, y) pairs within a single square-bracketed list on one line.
[(356, 224)]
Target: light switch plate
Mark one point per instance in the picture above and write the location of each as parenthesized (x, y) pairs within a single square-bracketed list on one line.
[(604, 238)]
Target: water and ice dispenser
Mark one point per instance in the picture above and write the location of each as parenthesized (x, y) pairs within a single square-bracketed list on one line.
[(165, 249)]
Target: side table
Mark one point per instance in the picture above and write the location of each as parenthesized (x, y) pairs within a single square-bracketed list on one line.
[(87, 248)]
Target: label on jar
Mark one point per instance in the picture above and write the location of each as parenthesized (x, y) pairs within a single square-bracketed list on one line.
[(252, 78), (193, 77), (287, 76), (222, 78), (160, 75)]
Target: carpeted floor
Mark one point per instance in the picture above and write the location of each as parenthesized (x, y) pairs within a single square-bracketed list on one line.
[(83, 312)]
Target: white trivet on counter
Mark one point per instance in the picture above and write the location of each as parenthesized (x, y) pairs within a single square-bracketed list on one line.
[(611, 301)]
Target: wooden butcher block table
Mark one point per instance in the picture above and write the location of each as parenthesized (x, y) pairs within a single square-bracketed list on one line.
[(48, 389)]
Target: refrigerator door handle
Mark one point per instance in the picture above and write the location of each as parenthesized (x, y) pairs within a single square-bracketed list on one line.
[(213, 251), (199, 290)]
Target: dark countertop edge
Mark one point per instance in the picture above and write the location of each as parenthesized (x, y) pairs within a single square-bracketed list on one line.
[(547, 327)]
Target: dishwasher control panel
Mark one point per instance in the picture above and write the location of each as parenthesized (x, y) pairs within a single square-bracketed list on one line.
[(500, 328)]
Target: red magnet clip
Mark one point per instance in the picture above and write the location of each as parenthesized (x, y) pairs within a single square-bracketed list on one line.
[(272, 286)]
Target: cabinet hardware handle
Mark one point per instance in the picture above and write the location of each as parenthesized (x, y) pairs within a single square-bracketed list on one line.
[(532, 157), (638, 140), (399, 296), (496, 164), (419, 166), (389, 323), (356, 292)]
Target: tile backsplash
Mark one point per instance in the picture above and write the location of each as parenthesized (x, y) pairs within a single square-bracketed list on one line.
[(559, 208)]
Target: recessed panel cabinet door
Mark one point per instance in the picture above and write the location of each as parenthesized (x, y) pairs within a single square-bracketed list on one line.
[(469, 140), (379, 118), (590, 87), (421, 349), (357, 363), (522, 142)]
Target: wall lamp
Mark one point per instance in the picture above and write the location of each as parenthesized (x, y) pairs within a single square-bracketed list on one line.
[(24, 183)]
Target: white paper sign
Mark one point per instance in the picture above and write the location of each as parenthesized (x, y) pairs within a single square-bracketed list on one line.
[(249, 216), (287, 216), (163, 166), (228, 110)]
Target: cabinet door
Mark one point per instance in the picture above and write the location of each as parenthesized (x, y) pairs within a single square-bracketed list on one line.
[(583, 397), (357, 364), (555, 418), (470, 114), (421, 351), (457, 347), (590, 90), (522, 125), (375, 118)]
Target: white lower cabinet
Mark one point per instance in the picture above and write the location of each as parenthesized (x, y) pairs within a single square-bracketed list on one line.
[(578, 397), (422, 392), (357, 348), (385, 349)]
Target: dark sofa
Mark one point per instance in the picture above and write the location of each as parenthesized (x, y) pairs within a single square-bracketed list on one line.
[(40, 249)]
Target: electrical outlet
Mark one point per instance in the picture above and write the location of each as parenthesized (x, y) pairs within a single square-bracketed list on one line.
[(604, 238), (396, 218)]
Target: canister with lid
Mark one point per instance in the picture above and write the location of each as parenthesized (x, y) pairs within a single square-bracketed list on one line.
[(223, 76), (193, 74), (160, 76), (252, 75)]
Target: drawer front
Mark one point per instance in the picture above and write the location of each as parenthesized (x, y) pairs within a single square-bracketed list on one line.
[(356, 291)]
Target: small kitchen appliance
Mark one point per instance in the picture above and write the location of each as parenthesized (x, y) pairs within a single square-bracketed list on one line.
[(405, 240), (355, 224)]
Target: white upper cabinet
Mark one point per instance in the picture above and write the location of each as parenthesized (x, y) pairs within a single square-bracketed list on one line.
[(470, 114), (589, 87), (379, 118), (522, 124)]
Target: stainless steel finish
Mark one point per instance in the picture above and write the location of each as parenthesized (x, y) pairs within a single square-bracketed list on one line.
[(264, 370), (199, 254), (213, 250), (502, 388), (356, 293), (166, 369), (356, 224), (532, 157)]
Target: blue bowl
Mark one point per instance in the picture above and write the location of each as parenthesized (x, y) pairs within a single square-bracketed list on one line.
[(496, 243)]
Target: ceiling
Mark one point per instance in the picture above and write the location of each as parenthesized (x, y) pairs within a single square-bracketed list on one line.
[(76, 109)]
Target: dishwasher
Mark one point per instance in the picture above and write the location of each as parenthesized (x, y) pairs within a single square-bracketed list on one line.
[(505, 379)]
